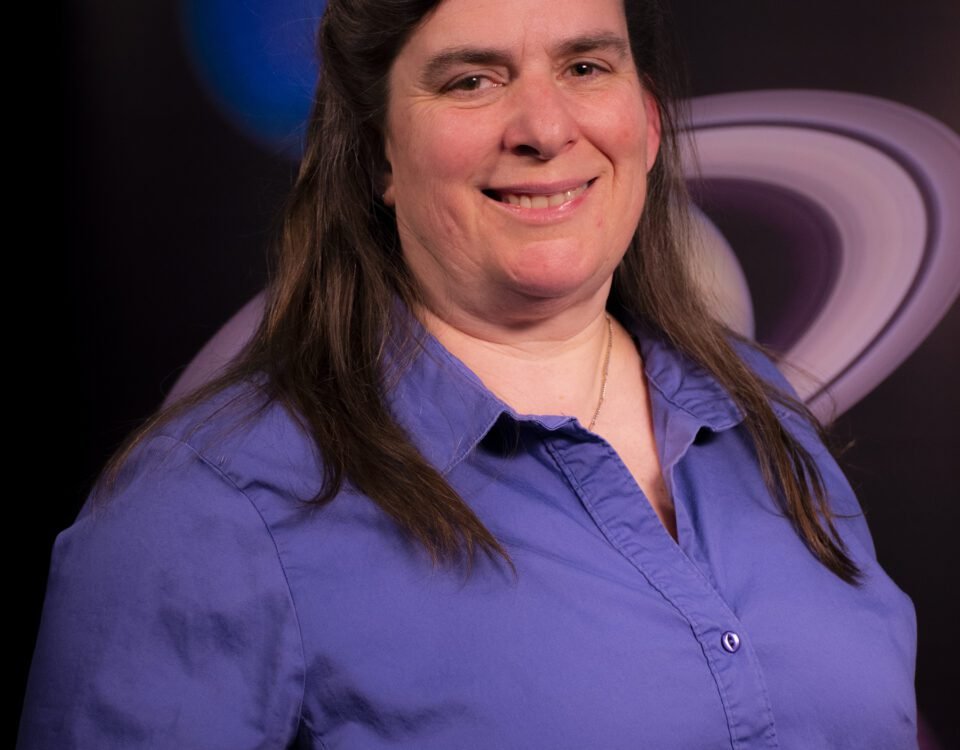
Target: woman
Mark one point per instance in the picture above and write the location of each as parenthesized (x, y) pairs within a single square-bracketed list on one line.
[(479, 348)]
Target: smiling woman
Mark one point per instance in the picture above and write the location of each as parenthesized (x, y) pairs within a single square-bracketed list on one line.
[(518, 183), (487, 475)]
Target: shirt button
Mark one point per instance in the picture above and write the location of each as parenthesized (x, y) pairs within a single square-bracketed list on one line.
[(730, 641)]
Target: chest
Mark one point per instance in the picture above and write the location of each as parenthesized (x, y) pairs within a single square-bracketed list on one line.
[(638, 453), (612, 635)]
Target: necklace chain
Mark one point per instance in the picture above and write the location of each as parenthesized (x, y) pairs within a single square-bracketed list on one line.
[(606, 370)]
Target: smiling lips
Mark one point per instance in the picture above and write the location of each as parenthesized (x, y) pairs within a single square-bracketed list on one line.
[(538, 199)]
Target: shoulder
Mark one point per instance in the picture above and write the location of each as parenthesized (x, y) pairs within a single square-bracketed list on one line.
[(783, 397), (786, 402), (849, 516), (762, 363), (239, 436), (174, 572), (194, 486)]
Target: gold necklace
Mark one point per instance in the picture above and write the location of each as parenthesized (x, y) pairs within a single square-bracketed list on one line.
[(606, 370)]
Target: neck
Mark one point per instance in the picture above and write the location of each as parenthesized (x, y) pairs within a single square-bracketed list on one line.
[(548, 363)]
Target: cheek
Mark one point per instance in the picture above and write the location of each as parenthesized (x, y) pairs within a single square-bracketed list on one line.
[(630, 152), (431, 167), (435, 150), (625, 141), (438, 166), (627, 134), (631, 141)]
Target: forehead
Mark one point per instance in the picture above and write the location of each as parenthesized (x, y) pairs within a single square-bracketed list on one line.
[(515, 26)]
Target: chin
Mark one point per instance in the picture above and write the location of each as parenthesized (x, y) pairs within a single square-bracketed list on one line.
[(555, 273), (558, 286)]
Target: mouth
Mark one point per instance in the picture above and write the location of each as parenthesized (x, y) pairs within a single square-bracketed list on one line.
[(537, 199)]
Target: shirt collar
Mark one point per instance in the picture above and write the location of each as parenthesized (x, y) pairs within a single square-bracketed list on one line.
[(446, 410), (684, 384), (441, 404)]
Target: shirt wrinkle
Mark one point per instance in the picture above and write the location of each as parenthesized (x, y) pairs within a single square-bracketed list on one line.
[(215, 468)]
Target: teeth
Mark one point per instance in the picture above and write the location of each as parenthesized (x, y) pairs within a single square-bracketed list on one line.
[(542, 201)]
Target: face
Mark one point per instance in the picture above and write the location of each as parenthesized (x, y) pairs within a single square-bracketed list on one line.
[(519, 138)]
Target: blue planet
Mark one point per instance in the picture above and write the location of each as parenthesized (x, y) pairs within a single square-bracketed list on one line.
[(257, 61)]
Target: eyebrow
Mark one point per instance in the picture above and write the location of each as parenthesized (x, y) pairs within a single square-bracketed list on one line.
[(599, 42), (435, 69)]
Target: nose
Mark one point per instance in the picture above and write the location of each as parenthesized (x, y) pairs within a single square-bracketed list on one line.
[(540, 123)]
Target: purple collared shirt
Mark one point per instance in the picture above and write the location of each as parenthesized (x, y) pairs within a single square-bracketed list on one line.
[(205, 606)]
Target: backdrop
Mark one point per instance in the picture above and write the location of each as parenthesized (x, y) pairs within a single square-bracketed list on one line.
[(174, 175)]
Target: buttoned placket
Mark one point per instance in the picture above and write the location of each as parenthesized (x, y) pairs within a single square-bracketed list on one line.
[(621, 511)]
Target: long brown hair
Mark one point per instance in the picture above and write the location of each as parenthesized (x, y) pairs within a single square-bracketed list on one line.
[(322, 342)]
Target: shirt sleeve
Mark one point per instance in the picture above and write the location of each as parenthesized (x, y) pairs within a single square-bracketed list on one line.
[(168, 622)]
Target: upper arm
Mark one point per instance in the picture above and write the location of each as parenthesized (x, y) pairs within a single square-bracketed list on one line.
[(168, 621)]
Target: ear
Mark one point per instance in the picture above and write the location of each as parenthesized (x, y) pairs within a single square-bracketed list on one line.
[(389, 199), (654, 127)]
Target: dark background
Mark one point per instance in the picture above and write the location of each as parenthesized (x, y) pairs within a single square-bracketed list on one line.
[(167, 211)]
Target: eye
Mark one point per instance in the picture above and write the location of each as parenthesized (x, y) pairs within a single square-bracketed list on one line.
[(475, 82), (585, 69)]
